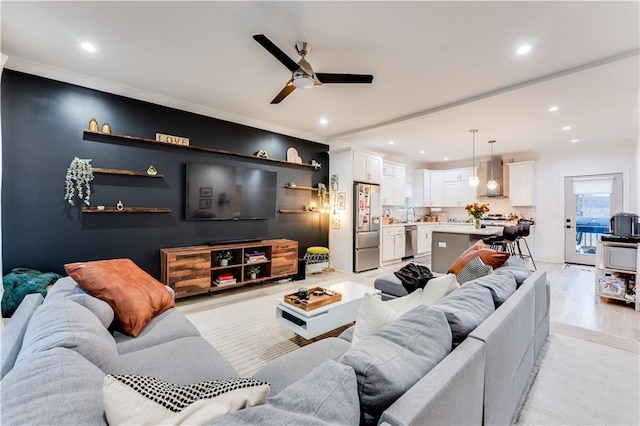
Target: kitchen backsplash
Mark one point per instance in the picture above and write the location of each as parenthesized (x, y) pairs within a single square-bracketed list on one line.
[(399, 214), (458, 214)]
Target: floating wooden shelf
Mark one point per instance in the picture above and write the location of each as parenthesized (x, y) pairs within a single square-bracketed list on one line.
[(298, 211), (109, 137), (127, 210), (104, 171), (306, 188)]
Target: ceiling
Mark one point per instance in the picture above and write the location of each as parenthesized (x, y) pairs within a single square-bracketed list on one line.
[(440, 68)]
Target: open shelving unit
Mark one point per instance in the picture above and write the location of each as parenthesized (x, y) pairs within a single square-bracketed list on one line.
[(195, 269), (127, 210), (122, 172), (90, 135), (614, 282), (103, 171)]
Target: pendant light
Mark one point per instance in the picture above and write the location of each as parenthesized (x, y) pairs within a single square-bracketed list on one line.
[(473, 180), (492, 184)]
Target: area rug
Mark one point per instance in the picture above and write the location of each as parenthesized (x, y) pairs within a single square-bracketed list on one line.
[(248, 335), (583, 377)]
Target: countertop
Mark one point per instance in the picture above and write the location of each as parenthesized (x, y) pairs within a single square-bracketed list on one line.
[(470, 231)]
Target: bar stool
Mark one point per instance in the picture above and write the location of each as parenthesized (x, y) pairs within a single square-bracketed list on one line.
[(524, 230), (505, 242)]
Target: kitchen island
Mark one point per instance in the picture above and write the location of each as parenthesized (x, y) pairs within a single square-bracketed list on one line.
[(448, 244)]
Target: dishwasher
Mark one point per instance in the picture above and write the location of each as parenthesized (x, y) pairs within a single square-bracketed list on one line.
[(411, 240)]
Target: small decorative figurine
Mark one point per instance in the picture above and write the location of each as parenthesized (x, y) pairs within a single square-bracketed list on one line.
[(106, 128), (262, 154), (152, 171), (315, 164), (119, 206), (93, 125)]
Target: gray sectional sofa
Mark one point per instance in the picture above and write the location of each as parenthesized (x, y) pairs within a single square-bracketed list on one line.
[(463, 361)]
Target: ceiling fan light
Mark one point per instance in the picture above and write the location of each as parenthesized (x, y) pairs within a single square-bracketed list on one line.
[(492, 184), (303, 82), (474, 181)]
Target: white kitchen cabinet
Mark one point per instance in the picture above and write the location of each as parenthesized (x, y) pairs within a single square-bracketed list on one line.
[(437, 188), (522, 183), (367, 167), (425, 232), (386, 190), (393, 243), (393, 184), (427, 188), (457, 175)]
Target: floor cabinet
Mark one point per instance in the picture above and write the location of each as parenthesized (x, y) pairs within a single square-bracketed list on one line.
[(617, 268), (204, 269)]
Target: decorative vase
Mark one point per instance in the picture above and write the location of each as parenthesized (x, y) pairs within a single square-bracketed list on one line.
[(253, 276), (106, 128), (224, 262), (476, 223), (93, 125)]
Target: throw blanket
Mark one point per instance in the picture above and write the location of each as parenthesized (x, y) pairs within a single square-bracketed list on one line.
[(20, 282), (413, 276)]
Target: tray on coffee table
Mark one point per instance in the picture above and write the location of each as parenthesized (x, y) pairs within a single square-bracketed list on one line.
[(314, 301)]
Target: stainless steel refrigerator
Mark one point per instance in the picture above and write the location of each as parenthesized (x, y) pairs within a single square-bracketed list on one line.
[(366, 225)]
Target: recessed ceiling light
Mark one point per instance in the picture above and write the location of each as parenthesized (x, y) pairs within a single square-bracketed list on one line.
[(574, 140), (88, 47), (422, 151), (566, 128), (324, 121), (553, 109), (525, 48), (391, 142), (445, 158)]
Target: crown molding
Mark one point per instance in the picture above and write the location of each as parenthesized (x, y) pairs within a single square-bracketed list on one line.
[(47, 71)]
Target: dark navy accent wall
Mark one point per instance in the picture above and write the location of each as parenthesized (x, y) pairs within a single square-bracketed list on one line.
[(42, 131)]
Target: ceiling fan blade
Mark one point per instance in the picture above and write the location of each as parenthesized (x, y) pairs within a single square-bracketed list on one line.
[(275, 51), (328, 78), (286, 90)]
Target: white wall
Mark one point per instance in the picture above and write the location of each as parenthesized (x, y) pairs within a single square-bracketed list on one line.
[(552, 166), (341, 240)]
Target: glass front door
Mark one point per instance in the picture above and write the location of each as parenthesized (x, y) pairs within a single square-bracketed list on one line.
[(590, 201)]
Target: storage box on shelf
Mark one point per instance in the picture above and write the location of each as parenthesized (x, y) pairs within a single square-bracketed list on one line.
[(617, 268), (197, 269)]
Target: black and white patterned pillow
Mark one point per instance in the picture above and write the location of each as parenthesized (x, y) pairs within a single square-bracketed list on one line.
[(132, 399), (472, 270)]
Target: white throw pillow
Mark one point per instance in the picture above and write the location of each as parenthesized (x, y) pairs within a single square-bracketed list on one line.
[(140, 400), (437, 288), (375, 314)]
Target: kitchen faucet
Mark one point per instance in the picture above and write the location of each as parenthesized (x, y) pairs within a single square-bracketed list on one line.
[(413, 218)]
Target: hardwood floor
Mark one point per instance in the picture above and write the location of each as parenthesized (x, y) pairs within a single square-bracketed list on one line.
[(573, 302)]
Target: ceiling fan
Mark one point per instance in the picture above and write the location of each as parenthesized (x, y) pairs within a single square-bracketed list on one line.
[(302, 75)]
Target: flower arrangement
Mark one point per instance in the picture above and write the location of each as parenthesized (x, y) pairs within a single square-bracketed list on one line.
[(477, 210), (79, 177)]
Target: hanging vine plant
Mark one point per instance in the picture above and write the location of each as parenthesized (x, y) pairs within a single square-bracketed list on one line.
[(78, 179), (323, 195)]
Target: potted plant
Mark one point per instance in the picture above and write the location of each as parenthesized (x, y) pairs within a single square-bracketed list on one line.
[(224, 257), (78, 180), (253, 271)]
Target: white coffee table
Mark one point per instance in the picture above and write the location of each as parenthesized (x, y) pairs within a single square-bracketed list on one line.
[(313, 323)]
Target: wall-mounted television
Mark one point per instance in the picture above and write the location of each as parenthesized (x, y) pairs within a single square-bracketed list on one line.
[(224, 192)]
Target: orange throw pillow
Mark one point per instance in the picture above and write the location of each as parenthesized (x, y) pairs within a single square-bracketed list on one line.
[(488, 256), (134, 295)]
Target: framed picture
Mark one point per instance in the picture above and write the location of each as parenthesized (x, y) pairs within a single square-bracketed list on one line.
[(333, 183), (341, 201), (205, 192), (335, 221), (205, 203)]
